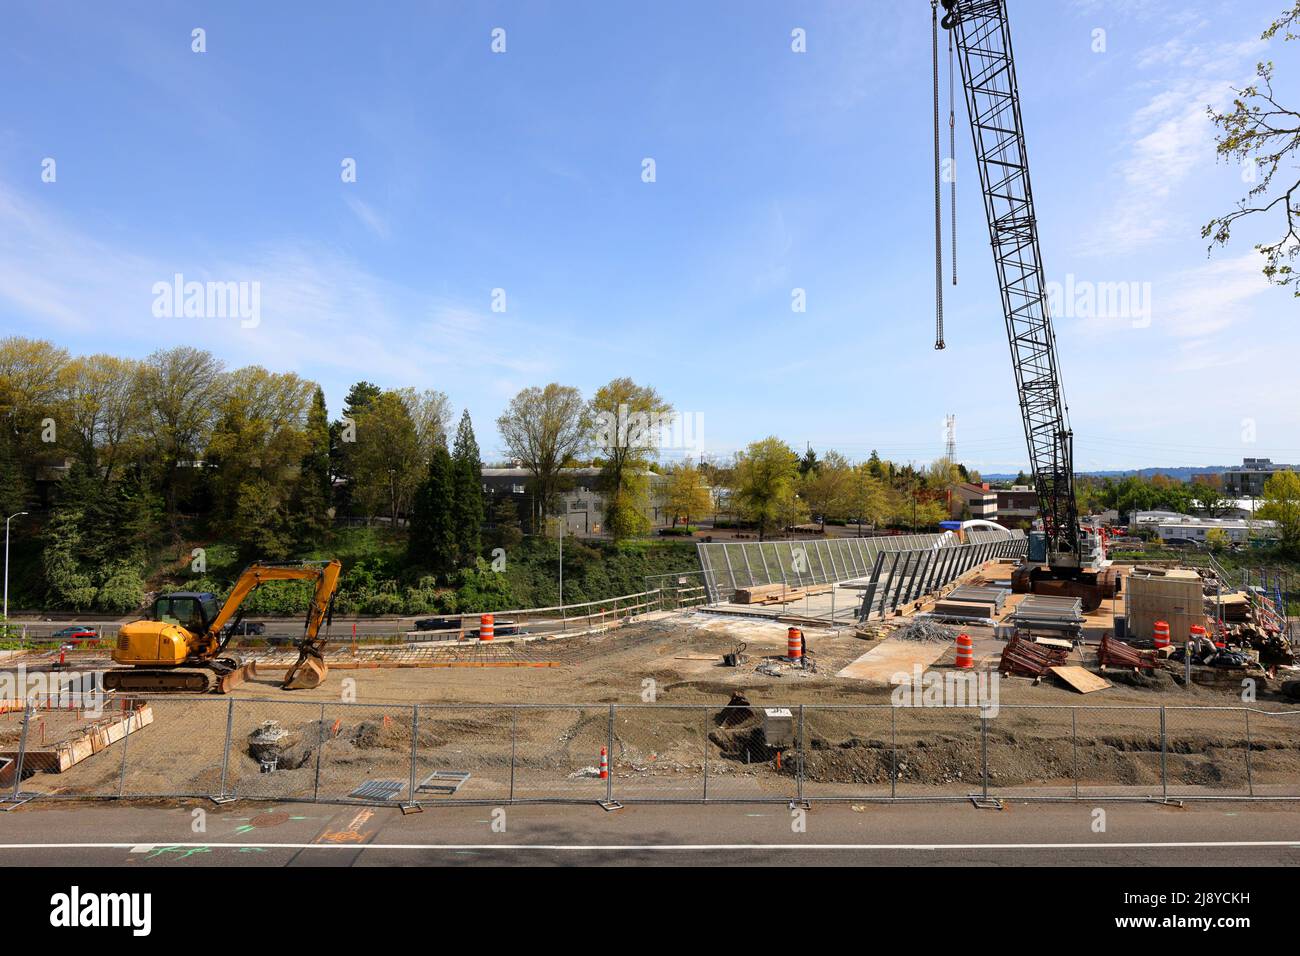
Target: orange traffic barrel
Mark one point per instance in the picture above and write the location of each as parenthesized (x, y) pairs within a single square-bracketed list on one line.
[(965, 652), (794, 644), (1161, 631), (486, 627)]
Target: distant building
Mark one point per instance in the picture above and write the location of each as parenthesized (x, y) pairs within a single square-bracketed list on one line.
[(1017, 506), (968, 500), (1239, 531), (581, 503), (1249, 479)]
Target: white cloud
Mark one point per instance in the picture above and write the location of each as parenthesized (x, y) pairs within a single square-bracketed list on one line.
[(320, 310), (1168, 138)]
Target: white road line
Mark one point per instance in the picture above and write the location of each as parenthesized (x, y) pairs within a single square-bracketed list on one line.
[(658, 847)]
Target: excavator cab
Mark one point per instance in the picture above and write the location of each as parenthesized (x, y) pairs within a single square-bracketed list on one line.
[(192, 610)]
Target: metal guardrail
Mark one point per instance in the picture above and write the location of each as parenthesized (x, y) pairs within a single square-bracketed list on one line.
[(427, 754)]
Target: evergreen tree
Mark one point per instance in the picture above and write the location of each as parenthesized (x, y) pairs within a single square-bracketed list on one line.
[(313, 500), (432, 541), (467, 493), (343, 441)]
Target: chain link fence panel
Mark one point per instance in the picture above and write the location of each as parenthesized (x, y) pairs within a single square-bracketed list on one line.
[(395, 754), (465, 754)]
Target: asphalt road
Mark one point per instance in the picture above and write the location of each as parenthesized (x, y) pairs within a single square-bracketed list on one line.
[(243, 834)]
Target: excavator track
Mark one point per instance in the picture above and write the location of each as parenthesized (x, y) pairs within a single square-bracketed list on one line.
[(219, 676)]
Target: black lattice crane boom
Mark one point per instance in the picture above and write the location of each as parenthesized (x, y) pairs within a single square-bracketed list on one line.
[(988, 71)]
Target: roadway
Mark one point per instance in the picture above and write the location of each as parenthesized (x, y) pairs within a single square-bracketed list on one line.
[(241, 834)]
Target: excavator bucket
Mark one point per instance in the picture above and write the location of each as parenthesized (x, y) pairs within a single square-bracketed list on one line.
[(229, 681), (307, 673)]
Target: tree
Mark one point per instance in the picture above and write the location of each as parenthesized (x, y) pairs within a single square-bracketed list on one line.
[(313, 500), (180, 390), (626, 419), (543, 428), (102, 398), (1216, 539), (866, 497), (254, 457), (686, 492), (467, 492), (1261, 134), (808, 463), (827, 487), (30, 378), (385, 462), (1282, 505), (767, 475), (432, 541), (1211, 499), (343, 441), (430, 412), (506, 533)]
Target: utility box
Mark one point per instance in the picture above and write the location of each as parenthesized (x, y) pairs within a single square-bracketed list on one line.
[(1173, 596), (778, 727)]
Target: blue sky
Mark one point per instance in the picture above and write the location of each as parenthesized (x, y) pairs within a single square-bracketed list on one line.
[(774, 170)]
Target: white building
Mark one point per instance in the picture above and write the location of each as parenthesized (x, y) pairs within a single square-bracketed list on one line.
[(1238, 530)]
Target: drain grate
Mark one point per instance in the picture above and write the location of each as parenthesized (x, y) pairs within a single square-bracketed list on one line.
[(378, 790)]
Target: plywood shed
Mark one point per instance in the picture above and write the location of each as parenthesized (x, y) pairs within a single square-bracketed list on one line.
[(1172, 595)]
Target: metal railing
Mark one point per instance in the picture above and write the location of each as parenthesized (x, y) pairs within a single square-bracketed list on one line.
[(804, 563), (426, 754)]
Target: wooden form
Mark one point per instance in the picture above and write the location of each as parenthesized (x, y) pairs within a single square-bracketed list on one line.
[(1171, 595)]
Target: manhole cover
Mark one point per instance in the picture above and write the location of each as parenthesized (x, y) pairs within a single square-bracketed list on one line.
[(269, 819)]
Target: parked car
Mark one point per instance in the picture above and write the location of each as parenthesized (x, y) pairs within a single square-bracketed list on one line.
[(76, 634), (438, 624), (248, 629)]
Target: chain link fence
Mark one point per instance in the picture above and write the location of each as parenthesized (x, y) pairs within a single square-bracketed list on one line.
[(403, 754)]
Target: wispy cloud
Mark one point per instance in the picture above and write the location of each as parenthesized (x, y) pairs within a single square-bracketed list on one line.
[(320, 309), (368, 216), (1168, 137)]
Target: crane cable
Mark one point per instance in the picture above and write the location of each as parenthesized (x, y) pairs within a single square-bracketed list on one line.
[(952, 153), (938, 187)]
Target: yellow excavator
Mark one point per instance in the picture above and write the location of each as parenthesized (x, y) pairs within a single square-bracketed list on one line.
[(180, 647)]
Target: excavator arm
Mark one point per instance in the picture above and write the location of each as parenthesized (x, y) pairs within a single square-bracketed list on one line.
[(309, 670)]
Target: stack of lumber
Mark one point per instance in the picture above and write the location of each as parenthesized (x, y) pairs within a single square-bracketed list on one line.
[(1113, 653), (1027, 659), (777, 593)]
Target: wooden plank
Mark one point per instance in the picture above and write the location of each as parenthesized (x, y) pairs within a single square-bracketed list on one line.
[(1084, 681)]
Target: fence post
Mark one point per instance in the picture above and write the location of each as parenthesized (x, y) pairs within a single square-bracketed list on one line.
[(225, 750), (802, 743), (126, 742), (984, 752), (320, 745), (1074, 740), (893, 751), (415, 736), (28, 707), (609, 780), (1250, 782), (1164, 767), (705, 730), (514, 738)]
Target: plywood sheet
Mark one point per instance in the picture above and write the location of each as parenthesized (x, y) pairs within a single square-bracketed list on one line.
[(1084, 681), (893, 656)]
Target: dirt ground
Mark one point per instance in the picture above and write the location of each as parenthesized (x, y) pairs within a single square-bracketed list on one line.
[(672, 736)]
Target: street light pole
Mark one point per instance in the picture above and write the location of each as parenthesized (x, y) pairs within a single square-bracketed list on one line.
[(6, 599)]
